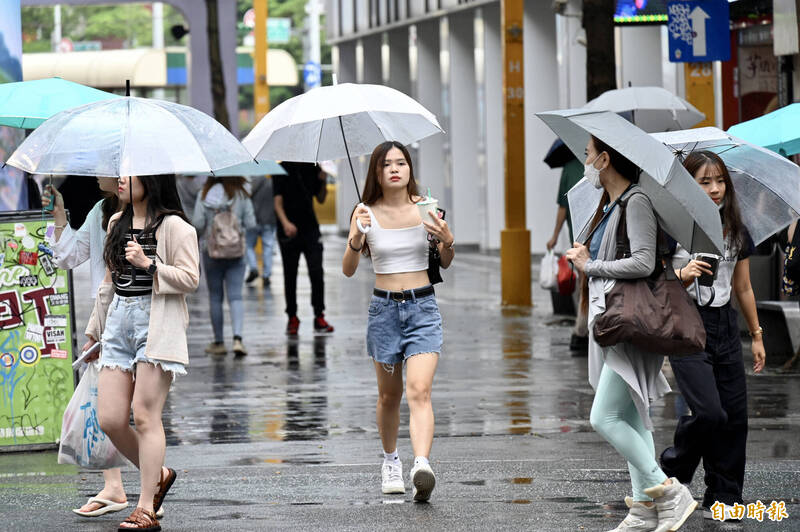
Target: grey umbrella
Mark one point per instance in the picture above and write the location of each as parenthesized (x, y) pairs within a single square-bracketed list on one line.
[(767, 184), (684, 210)]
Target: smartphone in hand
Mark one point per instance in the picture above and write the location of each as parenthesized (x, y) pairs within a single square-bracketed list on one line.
[(713, 262)]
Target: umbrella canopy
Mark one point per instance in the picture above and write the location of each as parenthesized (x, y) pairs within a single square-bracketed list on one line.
[(767, 184), (685, 212), (248, 169), (129, 136), (26, 104), (313, 127), (558, 155), (776, 131), (652, 108)]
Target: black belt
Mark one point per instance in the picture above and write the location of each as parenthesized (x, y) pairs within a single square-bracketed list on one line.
[(405, 295)]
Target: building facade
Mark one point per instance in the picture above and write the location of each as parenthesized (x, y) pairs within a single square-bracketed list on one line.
[(447, 55)]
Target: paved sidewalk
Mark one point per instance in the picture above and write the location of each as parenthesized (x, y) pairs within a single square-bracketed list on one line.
[(285, 439)]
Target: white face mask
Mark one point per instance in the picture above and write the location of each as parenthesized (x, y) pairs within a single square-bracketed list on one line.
[(592, 174)]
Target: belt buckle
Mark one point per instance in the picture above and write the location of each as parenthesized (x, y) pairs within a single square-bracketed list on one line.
[(398, 296)]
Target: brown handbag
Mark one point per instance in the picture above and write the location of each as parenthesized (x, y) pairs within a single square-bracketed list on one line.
[(655, 313)]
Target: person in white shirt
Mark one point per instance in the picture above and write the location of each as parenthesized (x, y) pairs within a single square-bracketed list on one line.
[(404, 325), (713, 381)]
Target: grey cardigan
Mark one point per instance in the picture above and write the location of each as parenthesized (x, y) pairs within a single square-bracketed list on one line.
[(640, 370)]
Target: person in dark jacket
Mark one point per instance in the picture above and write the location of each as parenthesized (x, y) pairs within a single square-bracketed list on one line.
[(264, 205)]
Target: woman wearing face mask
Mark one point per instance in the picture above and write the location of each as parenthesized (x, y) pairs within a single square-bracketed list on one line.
[(713, 381), (71, 249), (404, 325), (624, 378)]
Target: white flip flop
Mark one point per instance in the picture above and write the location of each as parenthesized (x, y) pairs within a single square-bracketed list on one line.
[(107, 506)]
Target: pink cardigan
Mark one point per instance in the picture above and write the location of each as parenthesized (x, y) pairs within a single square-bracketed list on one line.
[(177, 276)]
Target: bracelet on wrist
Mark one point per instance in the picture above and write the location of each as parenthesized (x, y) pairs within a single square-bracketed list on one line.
[(680, 274), (350, 243), (60, 226), (759, 331)]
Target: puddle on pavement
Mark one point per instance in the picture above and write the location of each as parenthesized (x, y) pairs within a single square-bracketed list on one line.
[(473, 482), (521, 480)]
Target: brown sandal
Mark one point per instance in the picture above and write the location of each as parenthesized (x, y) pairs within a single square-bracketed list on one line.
[(164, 484), (144, 520)]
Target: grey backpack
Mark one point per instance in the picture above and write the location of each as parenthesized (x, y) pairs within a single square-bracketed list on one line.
[(225, 236)]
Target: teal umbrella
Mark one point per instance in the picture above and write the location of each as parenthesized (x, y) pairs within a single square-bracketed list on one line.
[(26, 104), (776, 131), (248, 169)]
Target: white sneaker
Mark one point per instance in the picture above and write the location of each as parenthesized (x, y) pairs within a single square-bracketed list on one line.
[(392, 478), (674, 503), (640, 518), (423, 480)]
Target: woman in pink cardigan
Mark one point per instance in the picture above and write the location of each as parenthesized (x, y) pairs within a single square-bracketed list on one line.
[(140, 315)]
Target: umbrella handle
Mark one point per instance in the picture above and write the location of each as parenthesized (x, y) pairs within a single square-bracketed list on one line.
[(364, 230)]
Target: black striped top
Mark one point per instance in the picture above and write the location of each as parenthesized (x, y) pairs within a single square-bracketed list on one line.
[(142, 281)]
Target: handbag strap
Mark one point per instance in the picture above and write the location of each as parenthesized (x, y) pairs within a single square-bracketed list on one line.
[(624, 245)]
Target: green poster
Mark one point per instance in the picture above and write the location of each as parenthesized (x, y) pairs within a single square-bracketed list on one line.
[(36, 337)]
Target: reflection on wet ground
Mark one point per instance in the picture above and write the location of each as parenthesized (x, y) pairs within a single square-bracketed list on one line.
[(503, 371)]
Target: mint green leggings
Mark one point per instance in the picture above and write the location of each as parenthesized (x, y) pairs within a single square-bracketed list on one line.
[(615, 418)]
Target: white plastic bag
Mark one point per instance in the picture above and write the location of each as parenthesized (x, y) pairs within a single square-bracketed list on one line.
[(548, 271), (82, 441)]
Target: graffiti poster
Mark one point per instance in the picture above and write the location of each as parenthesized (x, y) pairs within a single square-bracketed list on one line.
[(36, 336)]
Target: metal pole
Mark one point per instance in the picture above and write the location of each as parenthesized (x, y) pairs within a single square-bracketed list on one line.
[(55, 37), (515, 239), (158, 38), (261, 87)]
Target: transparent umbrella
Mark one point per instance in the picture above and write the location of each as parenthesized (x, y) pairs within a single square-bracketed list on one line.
[(767, 184), (684, 211), (129, 136), (337, 121)]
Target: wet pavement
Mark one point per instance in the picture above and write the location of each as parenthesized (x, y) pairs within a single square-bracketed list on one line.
[(285, 438)]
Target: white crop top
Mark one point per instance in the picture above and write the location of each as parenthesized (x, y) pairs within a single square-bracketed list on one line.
[(397, 250)]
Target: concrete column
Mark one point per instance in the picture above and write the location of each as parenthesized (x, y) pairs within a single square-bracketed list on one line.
[(345, 68), (399, 75), (199, 71), (571, 56), (461, 191), (639, 56), (373, 73), (494, 220), (541, 94), (426, 74)]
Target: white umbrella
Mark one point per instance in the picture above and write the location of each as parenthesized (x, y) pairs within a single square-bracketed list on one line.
[(129, 137), (767, 184), (338, 121), (652, 108), (684, 211)]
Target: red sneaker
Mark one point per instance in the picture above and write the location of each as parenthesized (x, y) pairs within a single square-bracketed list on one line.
[(322, 326), (292, 326)]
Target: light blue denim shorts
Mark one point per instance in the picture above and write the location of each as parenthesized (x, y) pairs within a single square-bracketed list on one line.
[(397, 330), (125, 336)]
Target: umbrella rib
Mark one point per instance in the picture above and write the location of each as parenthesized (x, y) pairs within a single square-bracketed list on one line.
[(319, 140)]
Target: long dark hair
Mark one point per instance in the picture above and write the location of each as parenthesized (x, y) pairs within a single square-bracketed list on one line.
[(162, 200), (731, 219), (372, 186), (233, 186)]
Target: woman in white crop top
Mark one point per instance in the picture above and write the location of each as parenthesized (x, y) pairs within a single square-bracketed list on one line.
[(404, 323)]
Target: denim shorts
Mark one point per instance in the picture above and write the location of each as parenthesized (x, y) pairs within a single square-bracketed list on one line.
[(125, 336), (397, 330)]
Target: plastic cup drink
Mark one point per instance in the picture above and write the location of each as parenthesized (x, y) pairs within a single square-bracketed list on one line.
[(426, 205)]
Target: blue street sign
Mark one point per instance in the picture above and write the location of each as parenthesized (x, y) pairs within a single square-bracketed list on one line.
[(699, 31), (312, 74)]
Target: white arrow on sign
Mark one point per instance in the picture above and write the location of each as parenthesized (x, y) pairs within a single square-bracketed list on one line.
[(699, 17)]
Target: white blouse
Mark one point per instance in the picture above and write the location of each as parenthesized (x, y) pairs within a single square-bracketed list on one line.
[(73, 248)]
